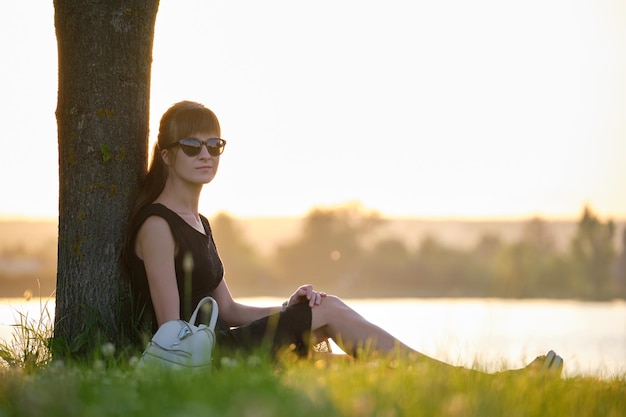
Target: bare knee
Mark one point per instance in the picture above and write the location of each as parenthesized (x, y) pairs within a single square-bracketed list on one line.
[(330, 311), (333, 305)]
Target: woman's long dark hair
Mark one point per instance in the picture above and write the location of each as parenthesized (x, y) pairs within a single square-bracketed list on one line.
[(180, 121)]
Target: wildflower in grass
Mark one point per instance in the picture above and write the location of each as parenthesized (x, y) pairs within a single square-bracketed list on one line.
[(253, 361), (108, 350), (98, 365), (133, 361), (227, 362)]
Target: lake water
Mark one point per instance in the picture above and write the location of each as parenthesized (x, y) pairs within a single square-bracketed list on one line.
[(591, 337)]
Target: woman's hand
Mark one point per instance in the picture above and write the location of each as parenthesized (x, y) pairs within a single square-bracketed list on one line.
[(306, 293)]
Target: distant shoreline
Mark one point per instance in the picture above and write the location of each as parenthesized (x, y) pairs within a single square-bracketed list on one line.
[(266, 233), (28, 249)]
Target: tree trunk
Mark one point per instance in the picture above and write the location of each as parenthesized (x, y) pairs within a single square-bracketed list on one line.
[(105, 57)]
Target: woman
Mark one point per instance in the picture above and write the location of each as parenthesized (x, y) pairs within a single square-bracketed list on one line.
[(174, 262)]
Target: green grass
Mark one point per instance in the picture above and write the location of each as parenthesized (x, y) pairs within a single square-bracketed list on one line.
[(379, 389), (110, 387), (28, 349), (31, 384)]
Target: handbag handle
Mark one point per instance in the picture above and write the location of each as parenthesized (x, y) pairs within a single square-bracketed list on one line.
[(214, 312)]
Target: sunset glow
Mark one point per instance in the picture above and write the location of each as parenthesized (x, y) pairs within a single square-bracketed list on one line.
[(433, 109)]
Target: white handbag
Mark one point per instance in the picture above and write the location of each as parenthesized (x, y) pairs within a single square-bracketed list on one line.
[(183, 345)]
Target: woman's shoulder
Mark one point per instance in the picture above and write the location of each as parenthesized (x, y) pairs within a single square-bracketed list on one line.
[(159, 210), (154, 233), (152, 222), (155, 222), (155, 214)]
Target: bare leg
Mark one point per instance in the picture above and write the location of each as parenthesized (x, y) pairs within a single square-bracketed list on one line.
[(353, 333)]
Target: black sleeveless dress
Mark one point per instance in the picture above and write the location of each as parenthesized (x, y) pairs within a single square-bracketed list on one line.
[(288, 329)]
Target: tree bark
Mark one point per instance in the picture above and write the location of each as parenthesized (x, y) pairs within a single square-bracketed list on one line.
[(105, 57)]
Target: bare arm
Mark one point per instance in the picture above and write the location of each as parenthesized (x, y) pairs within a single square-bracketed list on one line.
[(235, 313), (156, 247)]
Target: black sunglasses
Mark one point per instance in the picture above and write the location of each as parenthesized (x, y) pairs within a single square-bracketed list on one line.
[(193, 146)]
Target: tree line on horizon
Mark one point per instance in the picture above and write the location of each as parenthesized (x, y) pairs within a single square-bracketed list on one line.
[(334, 251)]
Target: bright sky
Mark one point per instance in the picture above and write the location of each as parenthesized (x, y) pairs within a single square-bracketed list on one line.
[(414, 108)]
